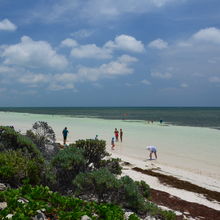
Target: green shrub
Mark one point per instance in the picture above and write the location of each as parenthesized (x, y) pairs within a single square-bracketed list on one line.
[(154, 210), (143, 188), (54, 205), (94, 151), (41, 134), (16, 167), (133, 217), (12, 140), (112, 165), (68, 163), (105, 187), (100, 184), (131, 196)]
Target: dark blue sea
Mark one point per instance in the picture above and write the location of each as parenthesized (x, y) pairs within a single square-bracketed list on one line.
[(184, 116)]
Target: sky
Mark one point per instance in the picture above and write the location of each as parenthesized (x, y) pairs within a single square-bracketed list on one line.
[(109, 53)]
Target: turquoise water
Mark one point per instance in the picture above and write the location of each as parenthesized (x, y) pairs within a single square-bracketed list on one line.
[(185, 116), (194, 149)]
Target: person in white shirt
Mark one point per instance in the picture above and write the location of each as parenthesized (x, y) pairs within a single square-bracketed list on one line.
[(152, 150)]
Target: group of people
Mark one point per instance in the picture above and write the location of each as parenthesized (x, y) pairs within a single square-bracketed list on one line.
[(152, 149), (116, 138)]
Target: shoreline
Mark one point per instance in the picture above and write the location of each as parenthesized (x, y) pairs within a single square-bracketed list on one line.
[(187, 203), (132, 150), (188, 149)]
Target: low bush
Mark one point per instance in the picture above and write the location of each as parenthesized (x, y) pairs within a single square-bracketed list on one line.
[(53, 205), (133, 217), (112, 165), (67, 164), (94, 151), (12, 140), (100, 184), (105, 187), (143, 188), (130, 195), (42, 134), (154, 210), (16, 167)]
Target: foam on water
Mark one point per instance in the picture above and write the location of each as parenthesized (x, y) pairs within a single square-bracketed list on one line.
[(189, 148)]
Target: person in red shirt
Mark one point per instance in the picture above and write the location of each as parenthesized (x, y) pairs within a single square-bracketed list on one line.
[(116, 134)]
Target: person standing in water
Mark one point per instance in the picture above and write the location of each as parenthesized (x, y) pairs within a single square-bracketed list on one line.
[(152, 150), (121, 134), (116, 134), (113, 143), (65, 133)]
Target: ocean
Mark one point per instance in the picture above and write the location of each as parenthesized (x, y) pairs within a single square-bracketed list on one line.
[(188, 139), (184, 116)]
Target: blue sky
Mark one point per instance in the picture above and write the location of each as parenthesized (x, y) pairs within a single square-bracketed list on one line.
[(110, 53)]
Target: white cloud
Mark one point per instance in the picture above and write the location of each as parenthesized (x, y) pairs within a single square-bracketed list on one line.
[(111, 9), (6, 69), (214, 79), (96, 10), (83, 33), (127, 59), (63, 81), (91, 51), (31, 78), (58, 86), (65, 77), (193, 59), (125, 42), (121, 66), (146, 82), (2, 90), (161, 75), (122, 42), (183, 85), (115, 68), (160, 3), (69, 43), (6, 25), (33, 54), (158, 44), (211, 35)]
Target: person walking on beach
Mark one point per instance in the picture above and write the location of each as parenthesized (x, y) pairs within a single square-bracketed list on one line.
[(116, 134), (121, 134), (113, 143), (65, 132), (152, 150)]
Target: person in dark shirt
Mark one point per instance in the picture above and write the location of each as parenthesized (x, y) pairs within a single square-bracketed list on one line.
[(65, 132), (121, 135)]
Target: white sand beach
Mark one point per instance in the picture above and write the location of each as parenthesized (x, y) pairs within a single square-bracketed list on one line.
[(188, 153)]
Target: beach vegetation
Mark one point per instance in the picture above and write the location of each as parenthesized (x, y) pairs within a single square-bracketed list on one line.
[(53, 205), (13, 140), (41, 134), (100, 184), (144, 188), (93, 150), (130, 195), (16, 167), (157, 212), (105, 187), (113, 165), (83, 170), (67, 164), (133, 217)]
